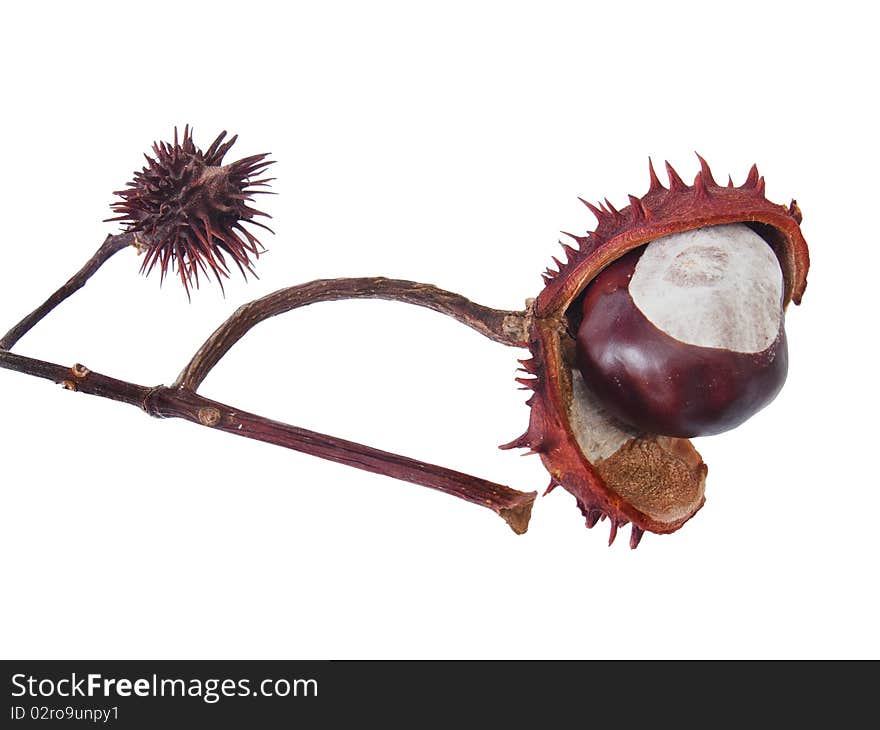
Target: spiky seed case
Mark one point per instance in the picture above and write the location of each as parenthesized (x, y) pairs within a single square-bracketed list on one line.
[(189, 209), (656, 483)]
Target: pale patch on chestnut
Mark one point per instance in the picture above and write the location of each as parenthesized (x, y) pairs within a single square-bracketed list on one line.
[(697, 266), (719, 286)]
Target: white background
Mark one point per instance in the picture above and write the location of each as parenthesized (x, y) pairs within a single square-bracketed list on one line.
[(443, 143)]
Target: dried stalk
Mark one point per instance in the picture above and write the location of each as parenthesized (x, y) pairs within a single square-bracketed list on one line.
[(111, 245), (182, 401), (508, 328)]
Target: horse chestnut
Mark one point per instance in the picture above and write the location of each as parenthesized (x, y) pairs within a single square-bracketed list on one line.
[(663, 322), (684, 336)]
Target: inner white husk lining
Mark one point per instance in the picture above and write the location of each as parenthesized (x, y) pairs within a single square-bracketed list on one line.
[(598, 434)]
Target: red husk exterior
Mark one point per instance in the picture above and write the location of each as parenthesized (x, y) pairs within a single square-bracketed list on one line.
[(660, 212)]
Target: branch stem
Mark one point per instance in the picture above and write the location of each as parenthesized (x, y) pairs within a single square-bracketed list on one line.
[(506, 327), (110, 246), (77, 378), (182, 401), (513, 506)]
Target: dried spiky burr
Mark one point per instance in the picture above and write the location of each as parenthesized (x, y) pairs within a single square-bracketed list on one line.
[(188, 209)]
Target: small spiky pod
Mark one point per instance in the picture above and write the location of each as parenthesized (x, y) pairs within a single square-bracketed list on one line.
[(189, 209), (655, 482)]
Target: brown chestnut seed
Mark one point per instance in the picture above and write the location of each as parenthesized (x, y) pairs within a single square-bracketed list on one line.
[(684, 337)]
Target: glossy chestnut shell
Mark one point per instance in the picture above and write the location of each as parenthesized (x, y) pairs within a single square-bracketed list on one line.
[(655, 383)]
